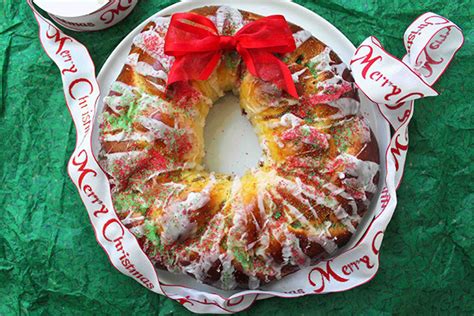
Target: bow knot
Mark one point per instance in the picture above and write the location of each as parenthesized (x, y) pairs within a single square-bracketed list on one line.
[(227, 42), (197, 47)]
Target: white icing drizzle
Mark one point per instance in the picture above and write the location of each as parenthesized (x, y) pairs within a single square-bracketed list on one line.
[(160, 87), (211, 236), (176, 222), (335, 190), (292, 252), (172, 167), (296, 76), (116, 103), (132, 59), (286, 120), (229, 15), (297, 191), (130, 219), (152, 42), (290, 120), (322, 64), (227, 279), (327, 241), (172, 189), (124, 136), (278, 141), (319, 235), (346, 107), (238, 238), (138, 231), (147, 70), (308, 134), (254, 282), (130, 94), (127, 91), (347, 219), (321, 199), (143, 101), (148, 101), (161, 24), (331, 203), (261, 193), (364, 173), (364, 170), (111, 158), (121, 87), (301, 37), (158, 128), (322, 60), (364, 131), (144, 68)]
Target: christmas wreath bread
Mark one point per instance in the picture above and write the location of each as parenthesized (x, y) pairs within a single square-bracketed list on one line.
[(302, 203)]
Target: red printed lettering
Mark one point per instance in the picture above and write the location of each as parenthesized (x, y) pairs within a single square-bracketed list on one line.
[(326, 275), (57, 38), (79, 81), (110, 234), (367, 59), (82, 166), (103, 210), (396, 151)]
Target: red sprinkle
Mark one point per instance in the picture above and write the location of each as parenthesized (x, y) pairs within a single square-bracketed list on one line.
[(185, 95), (329, 94), (152, 42), (309, 136), (183, 145)]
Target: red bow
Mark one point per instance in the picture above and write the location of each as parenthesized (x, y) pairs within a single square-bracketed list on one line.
[(195, 42)]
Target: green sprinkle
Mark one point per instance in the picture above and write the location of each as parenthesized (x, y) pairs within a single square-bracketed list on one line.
[(152, 235), (299, 60), (338, 225), (311, 66), (296, 224), (305, 130), (243, 258), (131, 202), (231, 60), (125, 121)]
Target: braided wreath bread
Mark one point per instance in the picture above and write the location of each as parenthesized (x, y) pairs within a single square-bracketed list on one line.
[(303, 202)]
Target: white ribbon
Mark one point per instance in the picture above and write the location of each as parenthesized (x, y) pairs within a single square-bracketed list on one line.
[(81, 92), (431, 42)]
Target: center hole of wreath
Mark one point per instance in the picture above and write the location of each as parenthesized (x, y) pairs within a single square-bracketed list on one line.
[(231, 143)]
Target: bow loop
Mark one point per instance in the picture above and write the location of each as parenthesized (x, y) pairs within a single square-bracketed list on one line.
[(194, 41), (271, 33)]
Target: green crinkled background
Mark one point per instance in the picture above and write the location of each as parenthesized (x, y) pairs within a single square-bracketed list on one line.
[(50, 262)]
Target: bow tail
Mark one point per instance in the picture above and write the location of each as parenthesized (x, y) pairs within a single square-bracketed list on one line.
[(268, 67), (195, 66)]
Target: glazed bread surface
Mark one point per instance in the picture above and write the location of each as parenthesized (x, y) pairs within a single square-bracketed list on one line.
[(301, 204)]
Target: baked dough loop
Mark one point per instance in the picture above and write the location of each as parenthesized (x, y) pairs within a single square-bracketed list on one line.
[(304, 201)]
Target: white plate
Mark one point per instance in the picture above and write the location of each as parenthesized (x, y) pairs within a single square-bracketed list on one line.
[(231, 143)]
